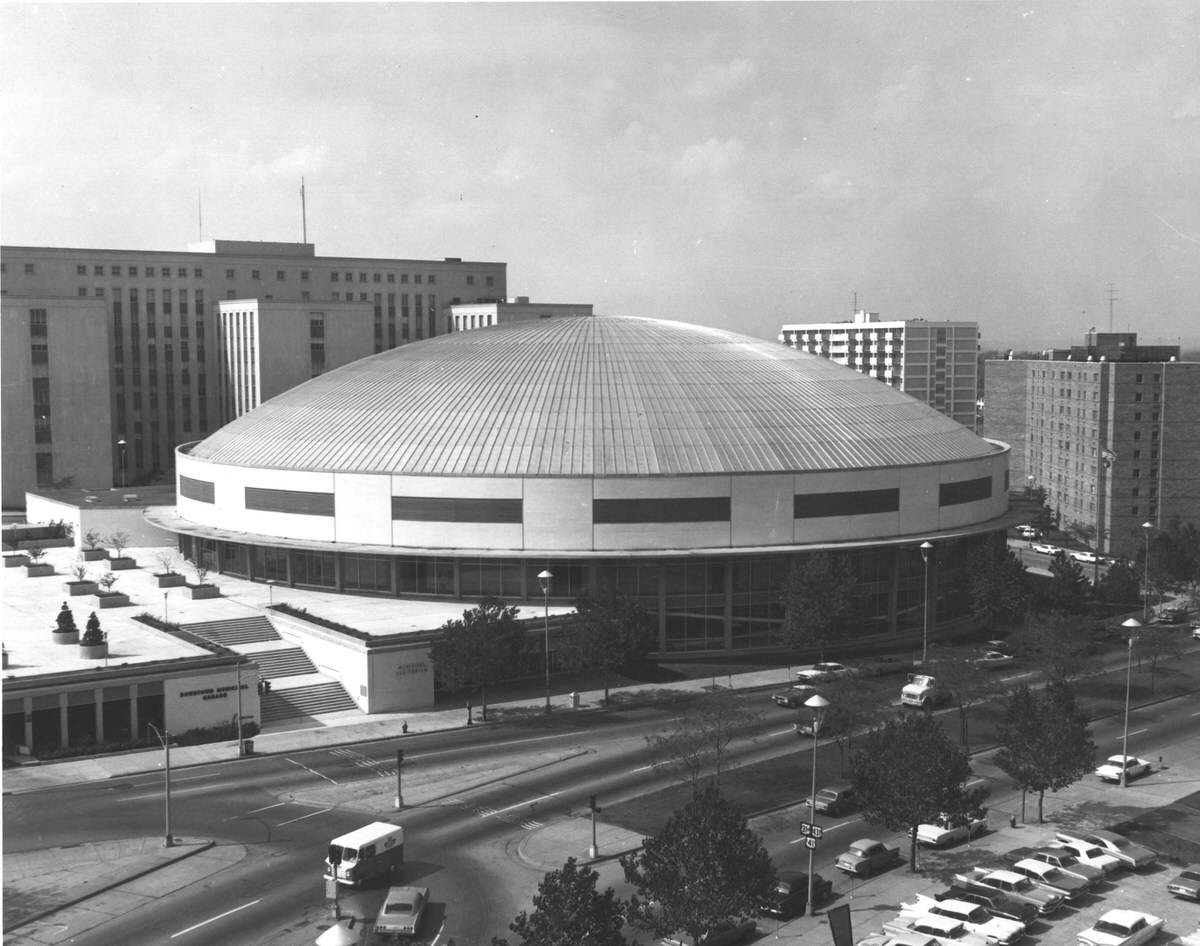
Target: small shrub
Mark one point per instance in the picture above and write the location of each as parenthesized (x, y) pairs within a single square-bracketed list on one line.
[(65, 621), (166, 561), (36, 554), (92, 538), (119, 542), (79, 569), (61, 529), (93, 635), (201, 571), (107, 580)]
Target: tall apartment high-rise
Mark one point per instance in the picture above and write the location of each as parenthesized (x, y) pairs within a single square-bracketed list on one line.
[(936, 362), (111, 358), (1109, 429)]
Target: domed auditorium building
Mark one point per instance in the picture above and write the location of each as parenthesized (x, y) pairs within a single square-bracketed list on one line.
[(686, 465)]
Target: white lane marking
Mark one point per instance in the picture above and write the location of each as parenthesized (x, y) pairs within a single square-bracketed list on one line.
[(783, 732), (158, 793), (311, 814), (523, 804), (219, 916), (278, 804), (1134, 732), (312, 771)]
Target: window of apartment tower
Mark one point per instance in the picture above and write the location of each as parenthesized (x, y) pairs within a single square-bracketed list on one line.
[(81, 270), (280, 275), (229, 274), (391, 277), (432, 280), (39, 353), (376, 277), (417, 278), (490, 280), (470, 280), (316, 327), (37, 323), (45, 469), (29, 269), (362, 277), (82, 291)]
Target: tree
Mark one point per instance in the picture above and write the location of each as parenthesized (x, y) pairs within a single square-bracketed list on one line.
[(818, 598), (568, 911), (704, 871), (1058, 643), (967, 681), (92, 635), (908, 773), (65, 621), (1156, 644), (997, 584), (119, 542), (487, 645), (1120, 585), (697, 744), (1045, 742), (856, 703), (610, 630), (1068, 591)]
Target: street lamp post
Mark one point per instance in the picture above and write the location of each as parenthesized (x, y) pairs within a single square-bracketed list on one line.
[(545, 577), (165, 738), (1131, 625), (817, 704), (270, 592), (121, 445), (166, 613), (1146, 527), (926, 548)]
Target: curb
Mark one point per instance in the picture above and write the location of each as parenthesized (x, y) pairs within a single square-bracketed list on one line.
[(203, 846)]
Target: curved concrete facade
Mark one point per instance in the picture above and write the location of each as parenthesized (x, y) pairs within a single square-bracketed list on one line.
[(584, 445)]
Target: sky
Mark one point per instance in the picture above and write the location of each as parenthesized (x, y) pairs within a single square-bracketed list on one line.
[(737, 165)]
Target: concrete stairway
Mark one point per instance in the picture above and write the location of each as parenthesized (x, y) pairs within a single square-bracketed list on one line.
[(284, 662), (234, 631), (309, 696)]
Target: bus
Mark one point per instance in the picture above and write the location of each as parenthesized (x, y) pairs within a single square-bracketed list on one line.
[(365, 853)]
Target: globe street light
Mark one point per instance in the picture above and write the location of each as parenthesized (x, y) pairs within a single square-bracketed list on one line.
[(818, 705), (545, 577), (1131, 625), (121, 445), (165, 738), (1146, 527), (926, 548)]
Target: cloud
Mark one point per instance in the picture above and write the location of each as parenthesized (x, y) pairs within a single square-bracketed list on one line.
[(712, 158), (717, 79), (900, 99), (307, 159)]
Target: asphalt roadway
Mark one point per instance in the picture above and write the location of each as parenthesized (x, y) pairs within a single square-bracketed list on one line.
[(51, 894)]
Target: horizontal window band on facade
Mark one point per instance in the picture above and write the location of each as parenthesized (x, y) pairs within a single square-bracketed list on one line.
[(965, 491), (631, 511), (450, 509), (862, 502), (293, 501), (199, 490)]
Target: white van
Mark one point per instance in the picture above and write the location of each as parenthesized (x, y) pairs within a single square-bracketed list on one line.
[(365, 853)]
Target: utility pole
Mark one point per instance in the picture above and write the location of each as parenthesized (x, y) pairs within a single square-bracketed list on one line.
[(399, 787), (1112, 297), (593, 851)]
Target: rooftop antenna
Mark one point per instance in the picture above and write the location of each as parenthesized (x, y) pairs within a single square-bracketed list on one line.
[(199, 215), (303, 213), (1112, 297)]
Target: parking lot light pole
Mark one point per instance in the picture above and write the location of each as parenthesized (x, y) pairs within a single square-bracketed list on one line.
[(545, 577), (1131, 625), (926, 548), (817, 704), (165, 738), (1146, 529)]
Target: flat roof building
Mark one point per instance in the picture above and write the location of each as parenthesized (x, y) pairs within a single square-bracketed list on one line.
[(482, 314)]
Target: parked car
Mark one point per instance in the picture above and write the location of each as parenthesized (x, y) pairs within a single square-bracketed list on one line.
[(1089, 854), (1083, 555), (973, 917), (867, 856), (944, 831), (1058, 881), (794, 696), (1132, 766), (1186, 883), (942, 929), (994, 660), (1175, 615), (1029, 532), (1013, 884), (1121, 928), (790, 896), (823, 673), (1064, 860), (1130, 854), (1043, 548), (403, 907), (995, 902), (898, 939), (836, 799)]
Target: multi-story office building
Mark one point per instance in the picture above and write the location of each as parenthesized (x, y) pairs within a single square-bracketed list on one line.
[(936, 362), (1108, 429), (113, 357), (482, 314)]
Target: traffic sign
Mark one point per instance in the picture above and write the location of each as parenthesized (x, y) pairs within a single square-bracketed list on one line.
[(810, 843), (805, 830), (817, 831)]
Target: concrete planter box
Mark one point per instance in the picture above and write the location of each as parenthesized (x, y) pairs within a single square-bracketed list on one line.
[(39, 571), (15, 561), (124, 563), (93, 651), (73, 588), (171, 580), (45, 543), (195, 592), (112, 599), (94, 555), (70, 638)]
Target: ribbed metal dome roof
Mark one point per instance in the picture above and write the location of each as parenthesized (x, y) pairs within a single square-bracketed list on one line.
[(591, 397)]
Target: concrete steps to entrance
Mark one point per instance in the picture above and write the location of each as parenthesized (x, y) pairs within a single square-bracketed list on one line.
[(284, 662), (307, 700), (234, 631)]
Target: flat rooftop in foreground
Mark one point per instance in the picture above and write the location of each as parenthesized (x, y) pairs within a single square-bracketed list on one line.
[(29, 605)]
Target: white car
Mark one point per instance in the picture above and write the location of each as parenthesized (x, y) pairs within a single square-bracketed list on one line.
[(402, 910), (1089, 854), (944, 831), (1029, 532), (1084, 556), (1044, 548), (943, 930), (994, 660), (1052, 878), (1121, 928), (1130, 854), (823, 673), (1133, 767), (898, 939), (971, 915)]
